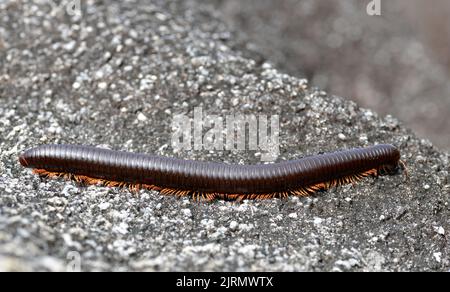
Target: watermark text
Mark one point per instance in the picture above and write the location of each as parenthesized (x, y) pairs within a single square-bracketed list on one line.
[(234, 132)]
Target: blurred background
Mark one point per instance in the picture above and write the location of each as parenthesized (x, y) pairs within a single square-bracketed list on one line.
[(397, 63)]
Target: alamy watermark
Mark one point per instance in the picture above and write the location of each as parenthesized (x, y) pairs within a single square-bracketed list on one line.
[(74, 261), (374, 8), (239, 132), (71, 7)]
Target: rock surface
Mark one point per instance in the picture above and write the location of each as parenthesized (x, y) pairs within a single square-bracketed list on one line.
[(115, 76), (397, 63)]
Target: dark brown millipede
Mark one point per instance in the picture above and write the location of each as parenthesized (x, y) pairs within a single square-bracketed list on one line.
[(211, 180)]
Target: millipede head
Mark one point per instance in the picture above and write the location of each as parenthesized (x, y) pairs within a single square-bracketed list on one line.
[(403, 168)]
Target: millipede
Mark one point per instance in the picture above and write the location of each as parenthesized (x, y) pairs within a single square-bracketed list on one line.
[(212, 180)]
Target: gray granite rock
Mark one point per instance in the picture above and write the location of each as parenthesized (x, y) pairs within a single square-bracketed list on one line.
[(397, 63), (115, 76)]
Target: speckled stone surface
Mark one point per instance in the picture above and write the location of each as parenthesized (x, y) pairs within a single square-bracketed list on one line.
[(385, 62), (116, 75)]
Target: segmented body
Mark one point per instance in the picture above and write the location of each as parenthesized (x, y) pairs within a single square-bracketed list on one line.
[(211, 180)]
